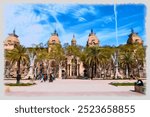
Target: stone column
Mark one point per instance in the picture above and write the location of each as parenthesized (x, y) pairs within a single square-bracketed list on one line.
[(78, 72), (59, 75), (77, 69), (70, 70)]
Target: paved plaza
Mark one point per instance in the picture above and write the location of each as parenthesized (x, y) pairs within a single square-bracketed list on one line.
[(72, 87)]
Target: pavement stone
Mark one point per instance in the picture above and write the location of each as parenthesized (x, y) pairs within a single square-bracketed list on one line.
[(72, 87)]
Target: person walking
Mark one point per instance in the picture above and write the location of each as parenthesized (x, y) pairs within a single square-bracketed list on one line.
[(42, 78), (50, 78)]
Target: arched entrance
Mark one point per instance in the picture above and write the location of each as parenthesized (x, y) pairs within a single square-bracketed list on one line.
[(74, 67), (63, 75)]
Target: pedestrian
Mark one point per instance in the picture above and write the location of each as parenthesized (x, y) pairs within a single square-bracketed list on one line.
[(50, 77), (139, 82), (42, 78), (53, 76)]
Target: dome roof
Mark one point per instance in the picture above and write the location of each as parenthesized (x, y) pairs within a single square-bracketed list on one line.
[(73, 39), (54, 38), (12, 38), (92, 39), (11, 41), (134, 38)]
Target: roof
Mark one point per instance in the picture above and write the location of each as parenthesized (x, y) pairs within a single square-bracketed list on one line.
[(54, 38), (134, 38), (92, 39)]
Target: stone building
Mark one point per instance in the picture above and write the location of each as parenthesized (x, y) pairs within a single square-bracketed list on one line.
[(11, 41), (9, 44), (74, 66), (54, 39), (134, 38), (92, 39), (73, 41)]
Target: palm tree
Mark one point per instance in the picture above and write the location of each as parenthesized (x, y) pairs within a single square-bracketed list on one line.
[(17, 55), (139, 55), (106, 60), (73, 50), (93, 57), (58, 56), (127, 59)]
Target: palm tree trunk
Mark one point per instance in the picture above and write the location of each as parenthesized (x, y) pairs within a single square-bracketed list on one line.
[(127, 72), (18, 72), (105, 73), (92, 72), (95, 69)]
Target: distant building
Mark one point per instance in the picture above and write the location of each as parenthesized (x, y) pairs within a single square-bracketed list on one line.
[(134, 38), (74, 66), (54, 39), (9, 44), (11, 41), (71, 67), (92, 39), (73, 41)]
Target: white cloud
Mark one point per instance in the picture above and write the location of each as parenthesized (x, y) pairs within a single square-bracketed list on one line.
[(81, 19), (24, 18), (80, 12), (107, 19), (26, 23)]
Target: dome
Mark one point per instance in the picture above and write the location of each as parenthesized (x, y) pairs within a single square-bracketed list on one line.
[(134, 38), (92, 39), (54, 39), (73, 39), (11, 41)]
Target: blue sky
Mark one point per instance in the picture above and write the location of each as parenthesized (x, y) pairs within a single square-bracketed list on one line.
[(34, 23)]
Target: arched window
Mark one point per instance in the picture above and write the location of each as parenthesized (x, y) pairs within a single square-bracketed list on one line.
[(74, 67), (53, 41)]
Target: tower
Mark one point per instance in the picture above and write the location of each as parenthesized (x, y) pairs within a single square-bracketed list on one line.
[(11, 41), (54, 39), (73, 41), (92, 39), (134, 38)]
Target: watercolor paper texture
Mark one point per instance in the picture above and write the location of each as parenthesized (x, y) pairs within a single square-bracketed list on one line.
[(74, 50)]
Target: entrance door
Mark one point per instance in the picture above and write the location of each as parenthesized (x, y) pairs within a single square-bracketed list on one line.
[(74, 67)]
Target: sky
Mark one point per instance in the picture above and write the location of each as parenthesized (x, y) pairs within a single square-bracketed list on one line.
[(34, 23)]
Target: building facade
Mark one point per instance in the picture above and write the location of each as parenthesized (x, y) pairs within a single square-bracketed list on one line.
[(92, 39), (9, 44), (11, 41), (72, 66), (134, 38)]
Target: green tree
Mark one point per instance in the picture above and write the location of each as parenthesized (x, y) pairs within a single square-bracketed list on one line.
[(93, 57), (73, 50), (58, 56), (139, 55), (17, 55), (106, 61), (127, 59)]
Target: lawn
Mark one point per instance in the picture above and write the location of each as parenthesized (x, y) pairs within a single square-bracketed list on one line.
[(122, 84), (20, 84)]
